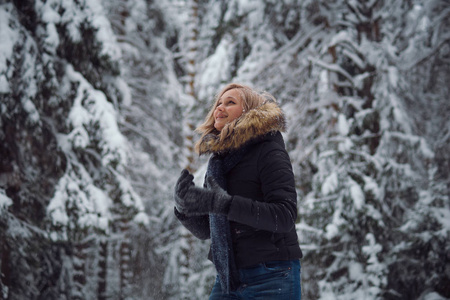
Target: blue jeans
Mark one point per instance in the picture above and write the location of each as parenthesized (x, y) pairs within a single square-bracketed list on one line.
[(270, 280)]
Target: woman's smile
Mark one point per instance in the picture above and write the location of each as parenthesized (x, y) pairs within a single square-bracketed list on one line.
[(229, 107)]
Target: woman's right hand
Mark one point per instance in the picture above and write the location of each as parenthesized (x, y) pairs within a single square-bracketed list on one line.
[(195, 201), (181, 187)]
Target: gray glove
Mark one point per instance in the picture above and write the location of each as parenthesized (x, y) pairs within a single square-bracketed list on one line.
[(183, 183), (194, 201)]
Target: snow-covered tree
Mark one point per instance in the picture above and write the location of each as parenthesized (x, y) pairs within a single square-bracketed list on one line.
[(64, 156), (98, 100), (364, 168)]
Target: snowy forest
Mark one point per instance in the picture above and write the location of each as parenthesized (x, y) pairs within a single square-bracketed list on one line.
[(99, 100)]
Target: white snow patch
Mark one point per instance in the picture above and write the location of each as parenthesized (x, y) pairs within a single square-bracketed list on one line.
[(372, 249), (331, 231), (427, 295), (75, 190), (393, 76), (370, 185), (52, 39), (141, 218), (216, 69), (357, 194), (443, 217), (125, 91), (330, 184), (8, 37), (30, 108), (343, 126), (355, 271), (105, 33), (4, 84), (5, 201), (91, 107), (129, 197)]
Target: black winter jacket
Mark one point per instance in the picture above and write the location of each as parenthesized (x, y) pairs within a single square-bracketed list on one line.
[(264, 207)]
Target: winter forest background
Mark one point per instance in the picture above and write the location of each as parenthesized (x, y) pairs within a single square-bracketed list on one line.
[(98, 100)]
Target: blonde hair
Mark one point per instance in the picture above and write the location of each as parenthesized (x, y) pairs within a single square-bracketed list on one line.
[(250, 99)]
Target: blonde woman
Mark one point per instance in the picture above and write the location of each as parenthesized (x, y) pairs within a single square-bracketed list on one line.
[(248, 205)]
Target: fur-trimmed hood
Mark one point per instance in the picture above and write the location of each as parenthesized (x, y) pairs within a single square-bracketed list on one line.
[(250, 126)]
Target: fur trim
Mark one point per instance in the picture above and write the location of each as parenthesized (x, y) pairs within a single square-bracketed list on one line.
[(255, 123)]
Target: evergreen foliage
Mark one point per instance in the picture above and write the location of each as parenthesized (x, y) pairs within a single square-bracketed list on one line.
[(98, 100)]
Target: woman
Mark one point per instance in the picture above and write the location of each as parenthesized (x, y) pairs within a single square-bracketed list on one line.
[(248, 203)]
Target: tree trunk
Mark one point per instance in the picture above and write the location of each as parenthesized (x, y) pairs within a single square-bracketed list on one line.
[(192, 52), (79, 269), (102, 269), (125, 260), (5, 277)]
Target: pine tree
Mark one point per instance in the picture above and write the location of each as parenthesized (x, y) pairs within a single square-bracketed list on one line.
[(153, 123), (362, 165), (364, 85), (62, 153)]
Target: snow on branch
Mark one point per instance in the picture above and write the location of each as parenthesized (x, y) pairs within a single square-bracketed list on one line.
[(444, 42), (332, 67)]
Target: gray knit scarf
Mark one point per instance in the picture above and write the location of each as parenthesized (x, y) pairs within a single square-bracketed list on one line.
[(221, 243)]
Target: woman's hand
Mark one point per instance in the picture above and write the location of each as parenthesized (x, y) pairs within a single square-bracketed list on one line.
[(193, 201), (183, 183)]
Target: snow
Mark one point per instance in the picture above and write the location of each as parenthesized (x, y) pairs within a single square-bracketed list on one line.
[(332, 67), (56, 208), (5, 201), (73, 14), (427, 295), (261, 49), (333, 229), (142, 218), (75, 190), (442, 216), (129, 196), (29, 107), (216, 70), (125, 91), (330, 184), (356, 194), (343, 125), (4, 84), (370, 185), (393, 76), (301, 73), (9, 37), (105, 33), (372, 249), (52, 39), (91, 106), (50, 17), (425, 149), (355, 271)]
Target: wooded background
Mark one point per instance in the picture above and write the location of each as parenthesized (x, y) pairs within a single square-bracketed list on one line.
[(99, 99)]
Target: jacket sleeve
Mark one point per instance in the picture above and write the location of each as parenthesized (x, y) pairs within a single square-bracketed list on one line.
[(277, 211), (197, 225)]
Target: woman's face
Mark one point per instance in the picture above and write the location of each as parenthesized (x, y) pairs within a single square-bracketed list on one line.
[(229, 107)]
